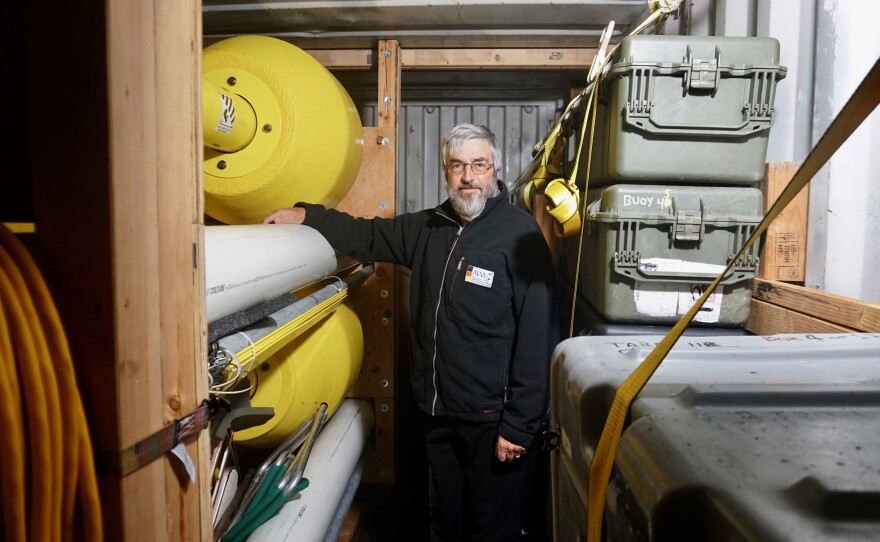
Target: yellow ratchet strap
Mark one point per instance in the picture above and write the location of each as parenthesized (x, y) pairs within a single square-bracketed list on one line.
[(859, 106), (550, 168), (562, 194)]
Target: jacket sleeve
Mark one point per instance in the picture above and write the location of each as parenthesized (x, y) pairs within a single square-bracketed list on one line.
[(536, 312), (365, 239)]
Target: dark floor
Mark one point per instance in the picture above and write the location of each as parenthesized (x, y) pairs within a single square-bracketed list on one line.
[(391, 513), (401, 511)]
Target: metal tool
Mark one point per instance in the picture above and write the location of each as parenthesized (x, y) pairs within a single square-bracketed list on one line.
[(281, 477)]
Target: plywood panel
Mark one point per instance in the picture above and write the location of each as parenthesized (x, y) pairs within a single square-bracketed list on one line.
[(374, 299), (380, 467)]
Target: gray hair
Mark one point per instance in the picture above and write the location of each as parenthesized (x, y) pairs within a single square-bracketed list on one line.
[(455, 139)]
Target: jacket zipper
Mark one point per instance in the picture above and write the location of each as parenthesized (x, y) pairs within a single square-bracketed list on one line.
[(454, 281), (436, 315)]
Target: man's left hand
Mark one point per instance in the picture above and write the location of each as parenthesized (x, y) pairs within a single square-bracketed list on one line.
[(506, 450)]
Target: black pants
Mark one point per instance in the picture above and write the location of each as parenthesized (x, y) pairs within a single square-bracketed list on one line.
[(479, 498)]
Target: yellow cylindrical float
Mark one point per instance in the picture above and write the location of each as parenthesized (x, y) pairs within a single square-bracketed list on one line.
[(307, 144), (320, 365)]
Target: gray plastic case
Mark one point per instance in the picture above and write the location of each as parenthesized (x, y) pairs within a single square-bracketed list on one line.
[(649, 250), (770, 438), (686, 109)]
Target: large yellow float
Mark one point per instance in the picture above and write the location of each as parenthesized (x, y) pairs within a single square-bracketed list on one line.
[(278, 128)]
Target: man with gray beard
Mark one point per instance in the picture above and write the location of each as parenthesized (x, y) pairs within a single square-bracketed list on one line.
[(484, 324)]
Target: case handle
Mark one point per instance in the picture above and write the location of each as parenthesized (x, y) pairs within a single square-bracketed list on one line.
[(629, 264), (699, 73)]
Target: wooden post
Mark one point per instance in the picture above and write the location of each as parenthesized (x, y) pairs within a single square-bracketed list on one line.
[(114, 93), (784, 252), (374, 193)]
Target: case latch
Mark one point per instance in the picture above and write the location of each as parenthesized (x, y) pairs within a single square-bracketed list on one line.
[(688, 225), (704, 73)]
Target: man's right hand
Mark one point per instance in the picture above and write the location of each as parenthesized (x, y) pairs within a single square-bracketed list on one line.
[(288, 215)]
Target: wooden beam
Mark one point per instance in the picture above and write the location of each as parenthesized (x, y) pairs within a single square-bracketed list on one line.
[(345, 59), (783, 253), (462, 59), (835, 309), (118, 236), (479, 59), (158, 287), (374, 193), (768, 319)]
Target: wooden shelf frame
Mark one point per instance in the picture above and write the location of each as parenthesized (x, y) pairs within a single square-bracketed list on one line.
[(374, 193)]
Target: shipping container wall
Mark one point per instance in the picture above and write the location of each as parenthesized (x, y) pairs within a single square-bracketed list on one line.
[(519, 126), (828, 46)]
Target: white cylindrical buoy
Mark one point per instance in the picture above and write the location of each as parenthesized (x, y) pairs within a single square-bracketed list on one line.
[(331, 464), (250, 264)]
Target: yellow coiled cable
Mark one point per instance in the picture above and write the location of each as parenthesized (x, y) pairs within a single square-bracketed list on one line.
[(50, 490)]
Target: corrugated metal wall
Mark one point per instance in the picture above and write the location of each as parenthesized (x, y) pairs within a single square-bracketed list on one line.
[(517, 125)]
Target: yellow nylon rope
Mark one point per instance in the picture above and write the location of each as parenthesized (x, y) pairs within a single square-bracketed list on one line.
[(12, 475), (47, 441), (862, 102), (276, 339), (594, 100)]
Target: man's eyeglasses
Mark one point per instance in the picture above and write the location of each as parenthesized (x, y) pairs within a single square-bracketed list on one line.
[(479, 167)]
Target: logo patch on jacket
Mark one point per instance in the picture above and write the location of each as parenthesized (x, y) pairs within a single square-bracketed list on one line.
[(480, 277)]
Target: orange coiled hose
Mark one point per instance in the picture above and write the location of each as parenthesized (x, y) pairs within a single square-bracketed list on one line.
[(50, 490)]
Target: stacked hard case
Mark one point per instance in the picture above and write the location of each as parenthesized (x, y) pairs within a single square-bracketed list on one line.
[(679, 147), (771, 438)]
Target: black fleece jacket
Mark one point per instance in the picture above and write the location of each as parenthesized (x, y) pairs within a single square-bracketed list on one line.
[(484, 307)]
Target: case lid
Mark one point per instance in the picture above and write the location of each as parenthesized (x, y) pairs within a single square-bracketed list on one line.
[(660, 204)]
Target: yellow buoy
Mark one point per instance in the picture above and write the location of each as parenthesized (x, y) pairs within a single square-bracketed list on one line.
[(320, 365), (279, 128)]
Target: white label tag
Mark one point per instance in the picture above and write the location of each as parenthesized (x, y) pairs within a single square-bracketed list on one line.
[(710, 312), (227, 114), (656, 298), (665, 299), (179, 451), (480, 277)]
